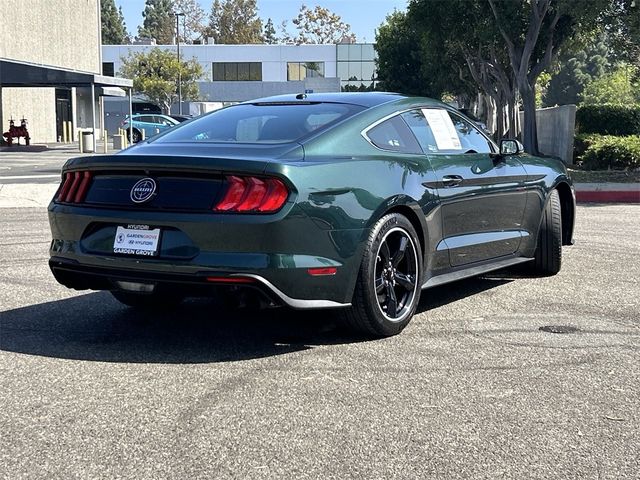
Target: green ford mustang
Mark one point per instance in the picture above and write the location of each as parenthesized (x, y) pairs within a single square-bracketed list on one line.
[(352, 201)]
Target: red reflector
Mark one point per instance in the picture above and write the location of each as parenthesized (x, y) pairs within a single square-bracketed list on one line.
[(230, 280), (66, 185), (319, 271), (84, 186), (234, 195)]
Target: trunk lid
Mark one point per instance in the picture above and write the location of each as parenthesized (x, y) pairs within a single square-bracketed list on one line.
[(188, 178)]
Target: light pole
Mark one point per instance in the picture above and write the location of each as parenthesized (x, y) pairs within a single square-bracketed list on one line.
[(178, 15)]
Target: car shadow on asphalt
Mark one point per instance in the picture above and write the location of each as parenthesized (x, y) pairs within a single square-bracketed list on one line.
[(95, 327), (451, 292)]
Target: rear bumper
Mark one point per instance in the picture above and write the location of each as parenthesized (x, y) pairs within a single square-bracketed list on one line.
[(275, 252), (82, 277)]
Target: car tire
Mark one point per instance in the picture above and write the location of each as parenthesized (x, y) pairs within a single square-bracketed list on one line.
[(137, 136), (388, 288), (548, 255), (146, 301)]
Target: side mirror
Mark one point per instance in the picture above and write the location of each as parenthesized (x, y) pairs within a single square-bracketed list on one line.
[(510, 146)]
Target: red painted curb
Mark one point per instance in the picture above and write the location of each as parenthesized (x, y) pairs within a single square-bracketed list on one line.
[(604, 196)]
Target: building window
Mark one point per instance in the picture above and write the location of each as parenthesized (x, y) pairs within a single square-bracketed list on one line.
[(357, 67), (107, 69), (302, 70), (237, 71)]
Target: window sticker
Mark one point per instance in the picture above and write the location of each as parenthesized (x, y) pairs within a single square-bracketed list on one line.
[(443, 129)]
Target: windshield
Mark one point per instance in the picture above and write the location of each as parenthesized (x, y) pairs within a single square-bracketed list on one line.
[(261, 123)]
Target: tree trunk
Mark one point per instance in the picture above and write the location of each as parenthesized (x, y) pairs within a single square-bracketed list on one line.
[(499, 119), (530, 128), (490, 114), (512, 114)]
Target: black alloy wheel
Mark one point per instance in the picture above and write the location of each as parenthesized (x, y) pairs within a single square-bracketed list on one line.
[(396, 274), (389, 284), (137, 136)]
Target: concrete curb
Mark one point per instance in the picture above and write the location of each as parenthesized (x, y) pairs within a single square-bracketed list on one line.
[(608, 192)]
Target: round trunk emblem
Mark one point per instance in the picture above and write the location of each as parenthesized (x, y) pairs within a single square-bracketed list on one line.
[(143, 190)]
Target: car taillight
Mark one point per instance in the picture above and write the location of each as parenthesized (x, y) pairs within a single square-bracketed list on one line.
[(252, 195), (74, 187)]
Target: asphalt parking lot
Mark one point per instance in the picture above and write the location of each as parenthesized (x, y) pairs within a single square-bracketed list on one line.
[(471, 389)]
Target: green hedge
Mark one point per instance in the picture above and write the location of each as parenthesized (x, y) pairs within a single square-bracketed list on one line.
[(602, 152), (582, 142), (608, 119)]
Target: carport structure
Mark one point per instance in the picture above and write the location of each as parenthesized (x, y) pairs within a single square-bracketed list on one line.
[(15, 73)]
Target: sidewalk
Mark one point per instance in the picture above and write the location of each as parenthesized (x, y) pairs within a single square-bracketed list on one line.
[(607, 192), (70, 149)]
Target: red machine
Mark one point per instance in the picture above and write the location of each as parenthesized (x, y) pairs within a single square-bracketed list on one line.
[(17, 132)]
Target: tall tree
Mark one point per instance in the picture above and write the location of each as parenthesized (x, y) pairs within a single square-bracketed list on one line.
[(468, 49), (577, 66), (505, 44), (234, 22), (464, 60), (114, 30), (155, 74), (621, 21), (320, 25), (399, 62), (269, 33), (159, 21), (192, 25), (533, 32), (617, 87), (285, 36)]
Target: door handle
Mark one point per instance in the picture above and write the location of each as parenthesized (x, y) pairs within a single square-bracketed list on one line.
[(451, 180)]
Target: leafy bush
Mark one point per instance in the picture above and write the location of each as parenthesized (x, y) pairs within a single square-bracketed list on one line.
[(581, 142), (609, 152), (609, 119), (617, 87)]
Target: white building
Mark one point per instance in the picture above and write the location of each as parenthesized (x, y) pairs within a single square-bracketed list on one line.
[(50, 68), (242, 72)]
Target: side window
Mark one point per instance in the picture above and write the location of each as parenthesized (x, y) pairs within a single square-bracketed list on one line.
[(145, 119), (394, 135), (421, 129), (470, 137)]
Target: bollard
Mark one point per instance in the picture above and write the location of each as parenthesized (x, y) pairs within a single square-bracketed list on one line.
[(80, 141), (68, 127), (142, 135), (123, 133), (65, 139), (105, 138)]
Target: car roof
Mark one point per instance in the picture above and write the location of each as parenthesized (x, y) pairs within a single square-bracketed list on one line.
[(363, 99), (138, 115)]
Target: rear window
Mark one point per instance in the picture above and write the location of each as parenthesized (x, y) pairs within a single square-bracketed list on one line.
[(261, 123)]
